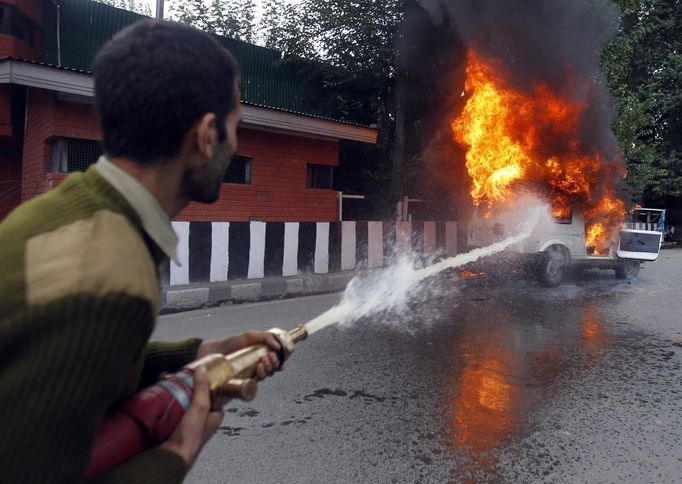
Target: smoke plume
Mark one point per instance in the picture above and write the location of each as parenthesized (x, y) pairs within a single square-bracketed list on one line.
[(556, 42)]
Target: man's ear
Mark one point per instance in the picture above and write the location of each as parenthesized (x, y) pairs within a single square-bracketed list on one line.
[(207, 135)]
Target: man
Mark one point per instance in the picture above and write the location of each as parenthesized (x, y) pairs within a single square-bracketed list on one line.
[(79, 282)]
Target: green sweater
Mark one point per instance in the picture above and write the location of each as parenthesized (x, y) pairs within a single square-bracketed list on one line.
[(79, 296)]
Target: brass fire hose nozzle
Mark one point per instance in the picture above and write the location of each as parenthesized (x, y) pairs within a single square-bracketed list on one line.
[(231, 376), (288, 339)]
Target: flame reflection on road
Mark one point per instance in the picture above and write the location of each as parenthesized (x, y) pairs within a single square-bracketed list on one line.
[(483, 409), (594, 337), (505, 371)]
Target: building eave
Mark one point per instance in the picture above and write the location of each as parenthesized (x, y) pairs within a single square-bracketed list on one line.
[(283, 122), (79, 86), (30, 74)]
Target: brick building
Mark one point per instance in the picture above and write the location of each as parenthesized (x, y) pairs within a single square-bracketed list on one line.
[(288, 141), (277, 214)]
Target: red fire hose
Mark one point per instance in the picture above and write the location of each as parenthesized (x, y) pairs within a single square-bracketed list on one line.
[(148, 418), (141, 422)]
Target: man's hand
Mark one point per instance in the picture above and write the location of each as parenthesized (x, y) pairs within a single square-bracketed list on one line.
[(267, 365), (197, 425)]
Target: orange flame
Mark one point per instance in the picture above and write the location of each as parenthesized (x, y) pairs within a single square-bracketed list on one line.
[(604, 218), (515, 137), (470, 275)]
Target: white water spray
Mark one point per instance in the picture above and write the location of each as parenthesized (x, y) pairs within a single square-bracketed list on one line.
[(391, 287)]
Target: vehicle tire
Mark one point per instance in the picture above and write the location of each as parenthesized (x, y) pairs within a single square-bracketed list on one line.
[(553, 266), (628, 269)]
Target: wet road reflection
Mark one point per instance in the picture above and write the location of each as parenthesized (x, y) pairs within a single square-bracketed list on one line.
[(595, 338), (506, 364), (481, 381), (483, 414)]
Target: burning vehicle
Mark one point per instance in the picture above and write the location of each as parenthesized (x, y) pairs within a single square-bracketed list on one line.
[(559, 243), (554, 142)]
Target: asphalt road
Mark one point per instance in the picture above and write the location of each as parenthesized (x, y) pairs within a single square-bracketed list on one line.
[(480, 380)]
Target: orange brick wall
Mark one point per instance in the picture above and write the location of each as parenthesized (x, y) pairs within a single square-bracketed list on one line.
[(278, 173), (278, 183), (48, 117), (35, 153)]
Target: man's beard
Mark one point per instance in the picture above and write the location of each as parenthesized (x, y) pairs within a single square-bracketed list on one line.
[(207, 188)]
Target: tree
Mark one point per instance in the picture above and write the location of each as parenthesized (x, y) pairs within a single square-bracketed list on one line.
[(228, 18), (354, 44), (136, 6), (644, 71), (278, 24)]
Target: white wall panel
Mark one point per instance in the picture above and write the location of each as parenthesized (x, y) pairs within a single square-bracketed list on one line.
[(290, 264), (257, 251), (322, 248), (220, 241), (348, 245)]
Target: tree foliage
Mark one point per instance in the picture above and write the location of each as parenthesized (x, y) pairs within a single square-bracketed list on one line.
[(354, 43), (229, 18), (643, 67), (136, 6), (355, 38), (278, 23)]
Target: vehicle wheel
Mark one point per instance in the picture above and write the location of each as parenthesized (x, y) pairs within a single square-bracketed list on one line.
[(628, 269), (553, 266)]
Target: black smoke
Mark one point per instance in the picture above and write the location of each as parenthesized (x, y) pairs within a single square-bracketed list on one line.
[(558, 43)]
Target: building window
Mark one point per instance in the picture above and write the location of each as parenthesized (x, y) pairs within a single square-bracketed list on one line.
[(69, 155), (320, 176), (13, 22), (239, 171)]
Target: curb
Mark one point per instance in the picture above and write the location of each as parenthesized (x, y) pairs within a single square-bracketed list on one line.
[(212, 294)]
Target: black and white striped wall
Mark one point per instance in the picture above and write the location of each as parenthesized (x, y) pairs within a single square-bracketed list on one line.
[(225, 251)]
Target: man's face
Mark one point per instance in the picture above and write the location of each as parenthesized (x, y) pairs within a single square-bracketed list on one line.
[(204, 182)]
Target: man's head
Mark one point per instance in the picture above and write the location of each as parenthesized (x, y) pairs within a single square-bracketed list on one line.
[(166, 91)]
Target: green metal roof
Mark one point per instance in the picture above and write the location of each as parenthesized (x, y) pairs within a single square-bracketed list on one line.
[(85, 25)]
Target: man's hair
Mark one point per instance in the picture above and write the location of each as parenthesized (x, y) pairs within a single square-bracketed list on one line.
[(153, 81)]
